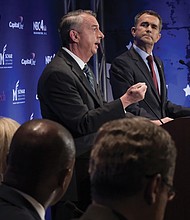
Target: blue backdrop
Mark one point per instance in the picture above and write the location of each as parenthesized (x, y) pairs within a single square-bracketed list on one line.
[(29, 40)]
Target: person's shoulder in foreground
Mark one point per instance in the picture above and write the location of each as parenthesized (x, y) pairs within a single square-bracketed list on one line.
[(39, 169), (131, 170)]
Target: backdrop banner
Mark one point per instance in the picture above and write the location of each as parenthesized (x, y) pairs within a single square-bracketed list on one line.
[(29, 40)]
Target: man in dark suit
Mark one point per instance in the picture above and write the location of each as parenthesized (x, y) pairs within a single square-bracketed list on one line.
[(131, 170), (39, 169), (133, 66), (68, 95)]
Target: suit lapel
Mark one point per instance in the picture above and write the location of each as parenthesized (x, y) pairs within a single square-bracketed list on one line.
[(162, 79), (144, 69), (13, 197), (79, 73)]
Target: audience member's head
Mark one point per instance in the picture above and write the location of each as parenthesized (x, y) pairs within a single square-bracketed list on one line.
[(41, 160), (8, 127), (132, 167)]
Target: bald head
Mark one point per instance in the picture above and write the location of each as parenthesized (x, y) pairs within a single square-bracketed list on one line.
[(39, 149)]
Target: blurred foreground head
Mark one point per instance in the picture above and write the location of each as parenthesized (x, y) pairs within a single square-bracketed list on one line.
[(41, 160), (132, 164)]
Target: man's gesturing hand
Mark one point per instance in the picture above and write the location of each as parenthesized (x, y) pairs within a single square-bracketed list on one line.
[(134, 94)]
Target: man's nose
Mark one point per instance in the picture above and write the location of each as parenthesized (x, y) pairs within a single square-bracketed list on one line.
[(149, 28), (101, 35)]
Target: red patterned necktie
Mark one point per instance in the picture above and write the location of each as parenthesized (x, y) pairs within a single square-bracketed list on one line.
[(150, 63)]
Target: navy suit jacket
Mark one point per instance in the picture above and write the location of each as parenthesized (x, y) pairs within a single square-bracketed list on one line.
[(14, 206), (128, 69)]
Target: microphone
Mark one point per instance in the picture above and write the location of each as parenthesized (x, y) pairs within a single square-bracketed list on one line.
[(183, 63), (153, 111)]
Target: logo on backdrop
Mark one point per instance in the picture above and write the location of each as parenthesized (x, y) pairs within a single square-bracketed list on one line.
[(30, 61), (19, 95), (32, 116), (6, 59), (2, 96), (39, 28), (48, 59), (17, 24)]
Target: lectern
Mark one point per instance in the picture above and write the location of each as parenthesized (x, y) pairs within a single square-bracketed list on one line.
[(179, 208)]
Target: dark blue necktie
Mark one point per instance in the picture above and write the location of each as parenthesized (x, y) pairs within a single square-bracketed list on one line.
[(89, 76)]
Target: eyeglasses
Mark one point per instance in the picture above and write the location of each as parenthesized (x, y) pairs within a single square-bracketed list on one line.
[(171, 189)]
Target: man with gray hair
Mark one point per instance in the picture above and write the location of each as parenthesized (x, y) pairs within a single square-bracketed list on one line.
[(69, 94)]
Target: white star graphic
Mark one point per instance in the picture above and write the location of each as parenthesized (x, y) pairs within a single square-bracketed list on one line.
[(187, 90)]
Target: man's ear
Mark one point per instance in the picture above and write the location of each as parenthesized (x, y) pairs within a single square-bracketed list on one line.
[(73, 35), (65, 176), (64, 179), (152, 189), (133, 30), (62, 176)]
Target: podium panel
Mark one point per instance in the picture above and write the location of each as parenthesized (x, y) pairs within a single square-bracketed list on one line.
[(179, 208)]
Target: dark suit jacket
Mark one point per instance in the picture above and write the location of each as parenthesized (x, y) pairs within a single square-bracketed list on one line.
[(66, 96), (128, 69), (95, 212), (14, 206)]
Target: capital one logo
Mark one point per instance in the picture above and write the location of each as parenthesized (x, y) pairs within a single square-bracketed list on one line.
[(17, 25), (31, 61)]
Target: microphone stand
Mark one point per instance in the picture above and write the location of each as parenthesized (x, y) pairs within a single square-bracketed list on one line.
[(153, 111)]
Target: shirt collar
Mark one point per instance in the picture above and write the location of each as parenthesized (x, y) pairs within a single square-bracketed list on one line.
[(77, 59), (142, 53), (39, 208)]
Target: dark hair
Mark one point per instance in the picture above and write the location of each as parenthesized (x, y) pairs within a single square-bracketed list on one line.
[(124, 153), (149, 12), (72, 20)]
